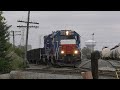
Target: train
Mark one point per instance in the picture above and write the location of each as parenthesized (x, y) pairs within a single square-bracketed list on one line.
[(105, 53), (61, 47), (113, 53)]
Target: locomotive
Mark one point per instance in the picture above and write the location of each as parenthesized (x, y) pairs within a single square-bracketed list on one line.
[(61, 47), (113, 53)]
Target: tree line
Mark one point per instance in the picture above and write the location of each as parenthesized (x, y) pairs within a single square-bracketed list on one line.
[(10, 58)]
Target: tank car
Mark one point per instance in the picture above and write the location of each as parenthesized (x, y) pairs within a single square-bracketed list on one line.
[(116, 52), (105, 53), (113, 52)]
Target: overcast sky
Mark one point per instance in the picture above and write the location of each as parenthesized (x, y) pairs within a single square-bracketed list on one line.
[(104, 24)]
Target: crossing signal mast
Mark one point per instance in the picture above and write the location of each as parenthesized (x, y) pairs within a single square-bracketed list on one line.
[(27, 27)]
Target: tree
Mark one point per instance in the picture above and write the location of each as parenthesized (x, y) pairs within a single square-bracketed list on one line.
[(86, 52), (4, 46)]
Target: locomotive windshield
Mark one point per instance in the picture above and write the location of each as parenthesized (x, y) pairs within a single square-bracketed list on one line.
[(67, 37)]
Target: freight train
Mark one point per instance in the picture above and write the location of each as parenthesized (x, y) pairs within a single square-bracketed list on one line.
[(113, 53), (62, 47)]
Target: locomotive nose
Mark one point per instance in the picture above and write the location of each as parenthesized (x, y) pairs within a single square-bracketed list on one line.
[(69, 49)]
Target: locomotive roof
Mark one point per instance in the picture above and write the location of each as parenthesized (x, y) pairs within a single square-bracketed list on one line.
[(55, 32)]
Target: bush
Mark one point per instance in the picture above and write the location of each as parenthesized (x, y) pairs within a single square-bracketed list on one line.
[(5, 66), (16, 61), (19, 52)]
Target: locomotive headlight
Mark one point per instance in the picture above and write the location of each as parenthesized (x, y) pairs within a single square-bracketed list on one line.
[(67, 32), (62, 52), (76, 52)]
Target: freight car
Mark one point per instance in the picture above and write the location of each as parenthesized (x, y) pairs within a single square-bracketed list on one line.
[(61, 47), (35, 55), (113, 53), (105, 53)]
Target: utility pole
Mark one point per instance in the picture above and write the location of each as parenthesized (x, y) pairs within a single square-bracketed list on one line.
[(13, 38), (28, 22), (14, 34), (27, 37)]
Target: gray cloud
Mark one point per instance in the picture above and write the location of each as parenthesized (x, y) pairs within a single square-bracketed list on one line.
[(105, 25)]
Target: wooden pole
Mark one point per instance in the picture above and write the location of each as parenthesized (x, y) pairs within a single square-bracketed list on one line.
[(26, 61), (94, 64)]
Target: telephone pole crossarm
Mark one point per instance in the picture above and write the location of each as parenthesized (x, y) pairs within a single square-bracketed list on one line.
[(29, 26), (28, 22)]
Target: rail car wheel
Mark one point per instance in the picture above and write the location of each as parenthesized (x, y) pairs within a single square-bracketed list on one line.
[(43, 60), (49, 61), (53, 61), (46, 60)]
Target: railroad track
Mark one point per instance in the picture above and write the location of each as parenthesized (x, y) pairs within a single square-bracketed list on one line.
[(62, 71), (76, 71), (71, 71)]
